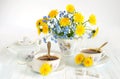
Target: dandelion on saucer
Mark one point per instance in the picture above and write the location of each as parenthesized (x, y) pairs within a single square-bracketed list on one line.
[(79, 58), (88, 61), (45, 69)]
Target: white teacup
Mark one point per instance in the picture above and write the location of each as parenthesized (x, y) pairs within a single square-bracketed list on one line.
[(36, 63), (96, 56)]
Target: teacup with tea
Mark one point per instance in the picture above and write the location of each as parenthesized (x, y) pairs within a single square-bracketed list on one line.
[(51, 58), (39, 59), (97, 54)]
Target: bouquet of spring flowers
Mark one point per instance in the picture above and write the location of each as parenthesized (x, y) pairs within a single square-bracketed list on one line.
[(68, 24)]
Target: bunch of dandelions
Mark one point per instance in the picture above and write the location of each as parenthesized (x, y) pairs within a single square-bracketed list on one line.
[(68, 24)]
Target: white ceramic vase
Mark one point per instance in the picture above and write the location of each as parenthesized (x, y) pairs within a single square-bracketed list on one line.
[(68, 46)]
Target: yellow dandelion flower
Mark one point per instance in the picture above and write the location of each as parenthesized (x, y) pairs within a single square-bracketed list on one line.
[(39, 22), (79, 58), (95, 32), (53, 13), (80, 30), (70, 8), (78, 17), (64, 21), (88, 62), (45, 29), (92, 19), (45, 69)]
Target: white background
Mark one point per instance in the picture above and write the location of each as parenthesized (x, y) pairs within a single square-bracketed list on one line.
[(18, 18)]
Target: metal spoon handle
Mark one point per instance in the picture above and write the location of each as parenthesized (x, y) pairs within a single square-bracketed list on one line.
[(102, 45), (49, 46)]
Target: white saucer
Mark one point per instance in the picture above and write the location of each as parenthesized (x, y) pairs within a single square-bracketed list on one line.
[(102, 62), (25, 41), (60, 67), (22, 43)]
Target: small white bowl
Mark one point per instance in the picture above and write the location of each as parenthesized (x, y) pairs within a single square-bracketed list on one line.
[(36, 64)]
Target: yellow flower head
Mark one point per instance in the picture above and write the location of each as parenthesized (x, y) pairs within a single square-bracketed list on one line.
[(70, 8), (79, 58), (53, 13), (92, 19), (39, 22), (45, 69), (95, 32), (78, 17), (88, 62), (45, 29), (80, 30), (64, 22)]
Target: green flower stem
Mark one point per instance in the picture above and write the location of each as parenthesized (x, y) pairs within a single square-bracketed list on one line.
[(85, 22), (88, 28), (57, 20)]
